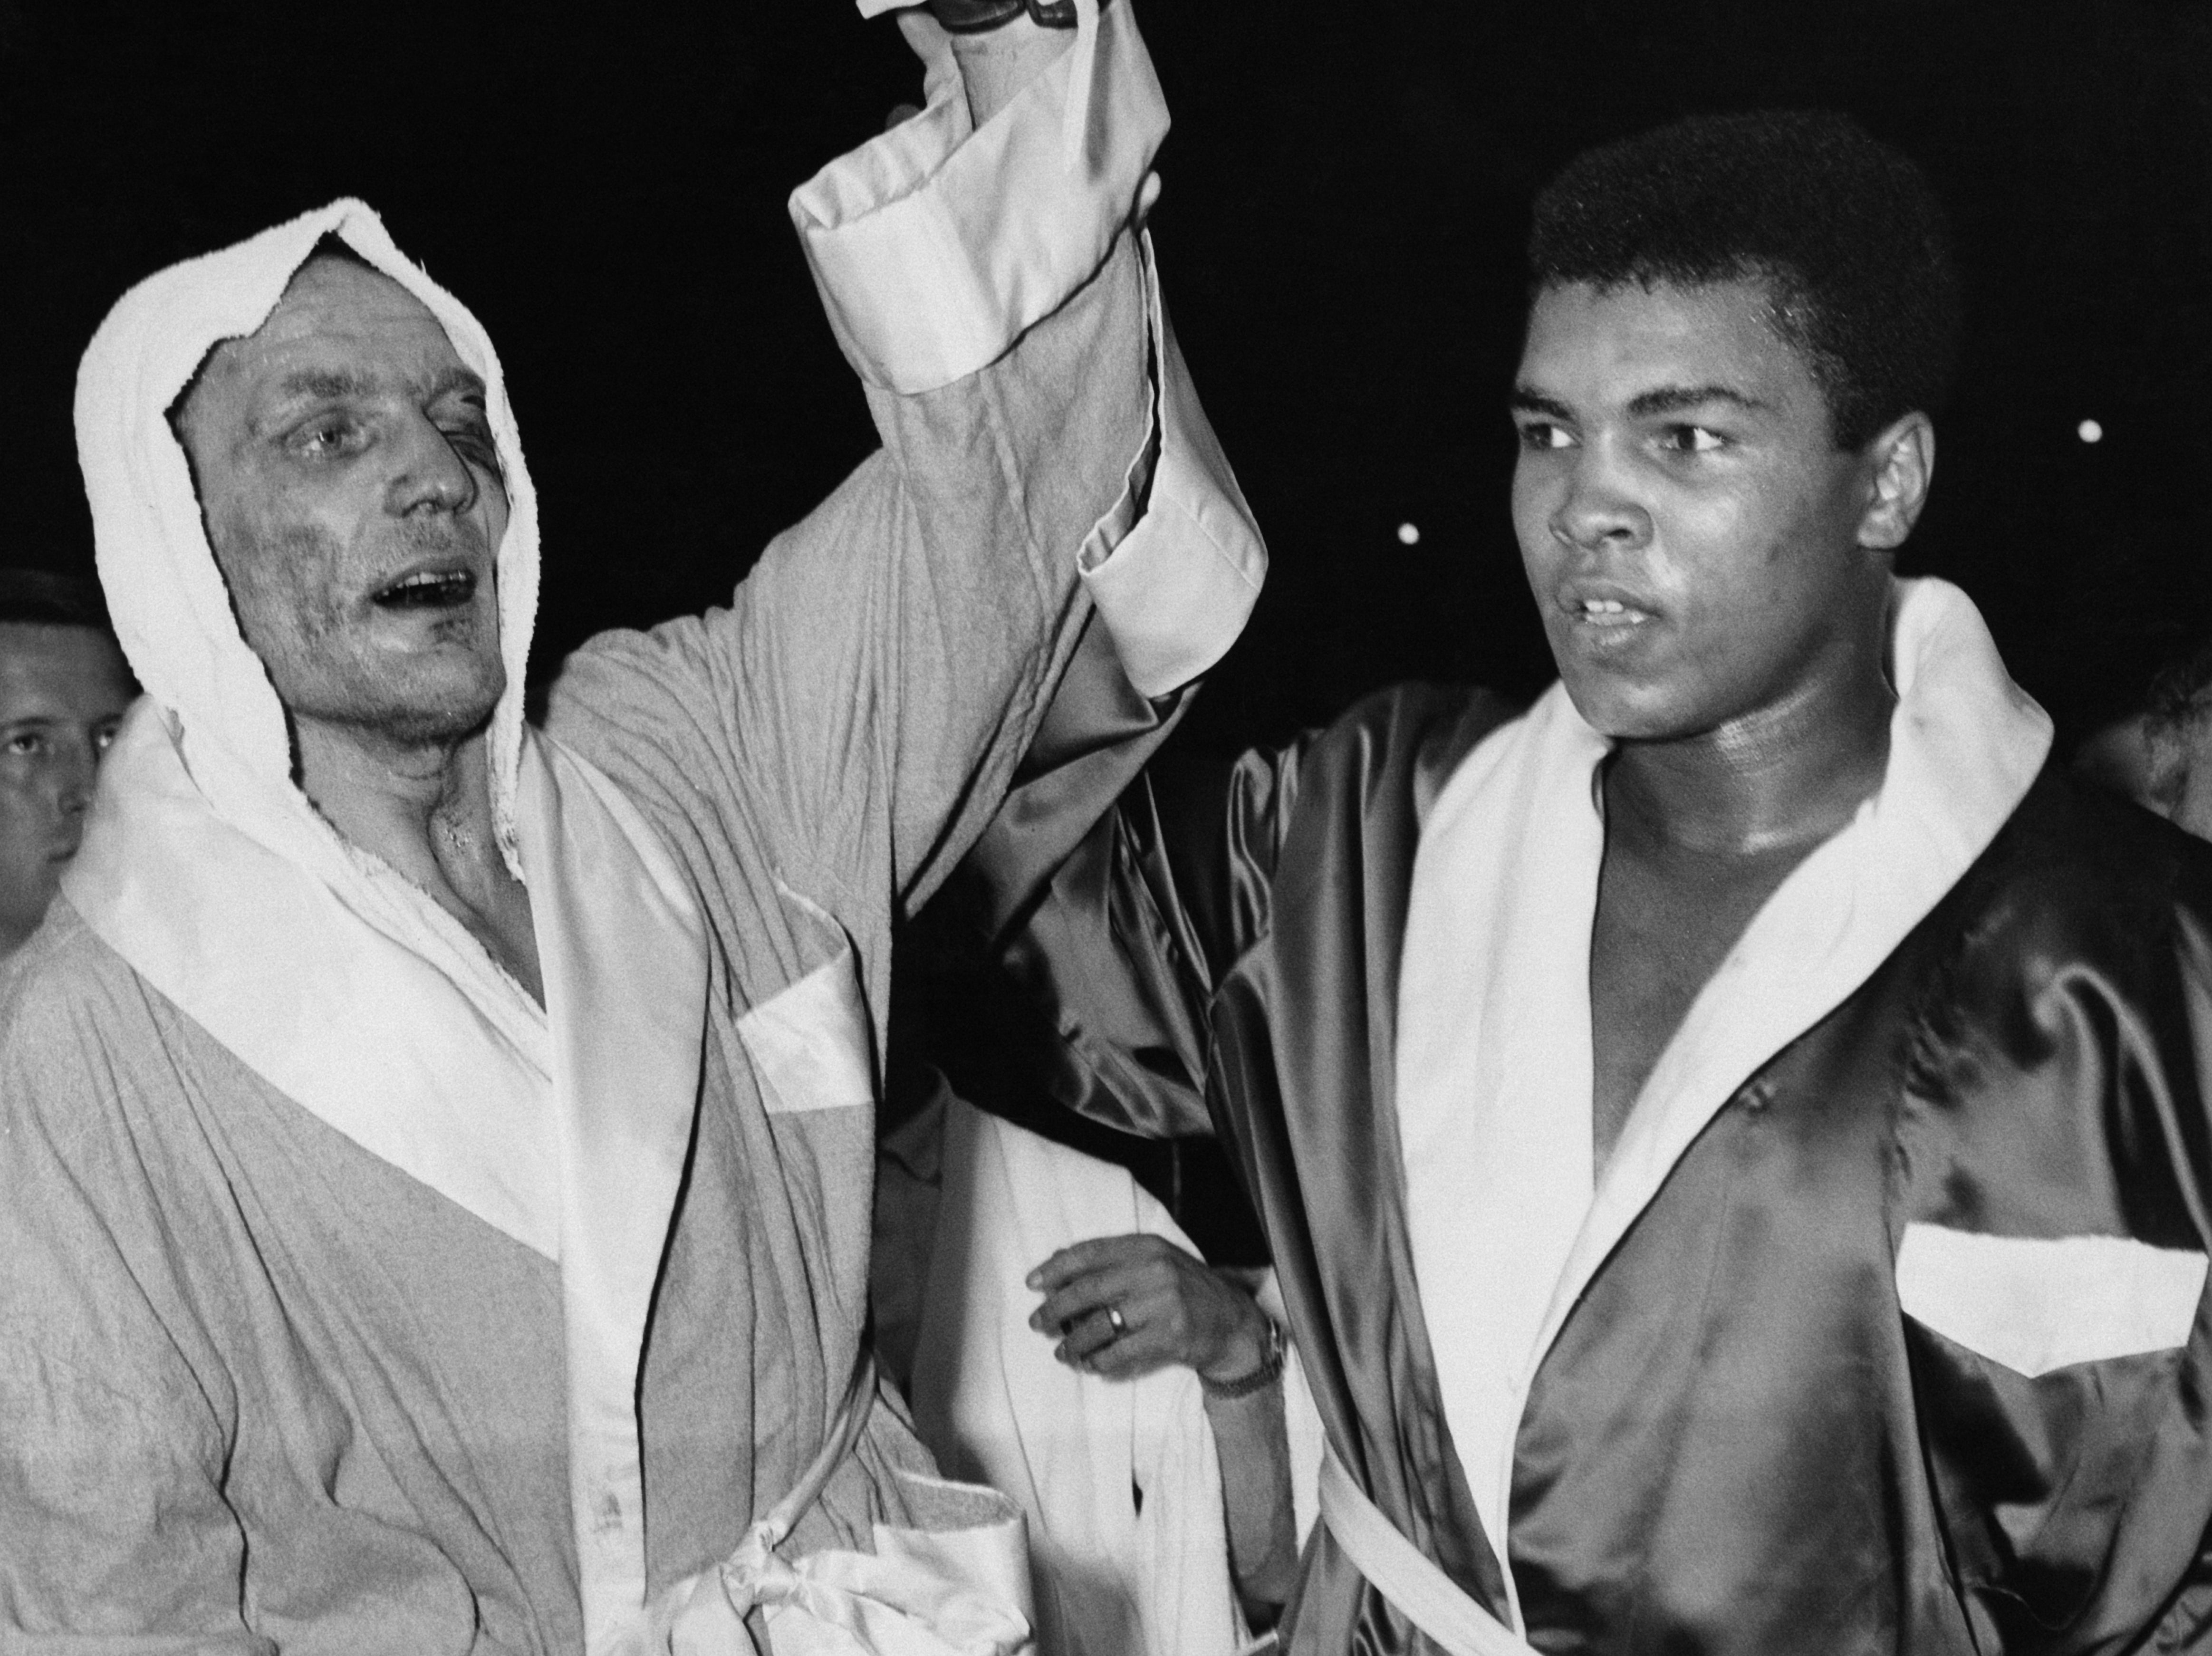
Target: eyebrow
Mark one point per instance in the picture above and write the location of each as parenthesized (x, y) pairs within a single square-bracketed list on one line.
[(1673, 400), (335, 385), (1665, 399), (323, 383), (1527, 399), (458, 379)]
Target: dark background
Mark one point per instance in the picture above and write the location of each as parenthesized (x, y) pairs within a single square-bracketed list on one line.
[(1347, 191)]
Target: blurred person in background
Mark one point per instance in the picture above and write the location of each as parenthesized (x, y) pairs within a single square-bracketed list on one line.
[(1084, 1318), (63, 686), (2160, 755)]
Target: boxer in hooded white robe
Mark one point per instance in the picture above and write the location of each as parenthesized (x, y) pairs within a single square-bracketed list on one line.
[(351, 1298)]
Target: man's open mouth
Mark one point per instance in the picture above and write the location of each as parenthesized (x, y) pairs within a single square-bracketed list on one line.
[(1610, 613), (430, 589)]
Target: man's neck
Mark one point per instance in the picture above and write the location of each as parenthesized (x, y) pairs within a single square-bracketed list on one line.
[(1784, 779), (1698, 835), (424, 809)]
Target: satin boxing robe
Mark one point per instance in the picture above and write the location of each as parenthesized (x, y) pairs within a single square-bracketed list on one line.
[(1867, 1371)]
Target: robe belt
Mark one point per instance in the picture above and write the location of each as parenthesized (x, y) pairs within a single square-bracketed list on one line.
[(1402, 1573), (832, 1601)]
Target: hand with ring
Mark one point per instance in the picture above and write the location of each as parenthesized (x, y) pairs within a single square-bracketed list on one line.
[(1125, 1306)]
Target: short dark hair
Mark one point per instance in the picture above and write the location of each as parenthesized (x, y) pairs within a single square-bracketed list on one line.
[(41, 598), (1846, 231)]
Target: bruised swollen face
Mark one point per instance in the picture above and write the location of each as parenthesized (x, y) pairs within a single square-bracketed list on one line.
[(63, 691), (352, 495), (1705, 557)]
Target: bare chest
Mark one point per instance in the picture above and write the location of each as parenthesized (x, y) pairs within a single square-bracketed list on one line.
[(1662, 931)]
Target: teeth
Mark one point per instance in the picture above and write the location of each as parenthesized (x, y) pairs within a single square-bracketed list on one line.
[(1611, 612), (430, 589)]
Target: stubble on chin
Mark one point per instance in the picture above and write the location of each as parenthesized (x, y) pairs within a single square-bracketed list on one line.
[(300, 612)]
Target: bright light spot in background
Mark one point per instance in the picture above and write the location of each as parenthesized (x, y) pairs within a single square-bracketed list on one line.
[(2090, 431), (1409, 534)]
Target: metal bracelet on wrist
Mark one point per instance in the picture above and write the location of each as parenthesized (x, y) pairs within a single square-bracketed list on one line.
[(981, 16), (1269, 1371)]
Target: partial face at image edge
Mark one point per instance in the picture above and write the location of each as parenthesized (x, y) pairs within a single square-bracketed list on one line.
[(63, 691)]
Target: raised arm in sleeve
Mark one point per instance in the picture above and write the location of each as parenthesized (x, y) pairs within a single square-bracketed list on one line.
[(857, 712)]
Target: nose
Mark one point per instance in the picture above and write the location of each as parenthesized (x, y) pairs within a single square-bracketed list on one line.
[(431, 476), (1598, 512), (78, 769)]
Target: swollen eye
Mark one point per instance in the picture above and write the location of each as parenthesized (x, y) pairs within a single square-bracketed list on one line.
[(471, 444)]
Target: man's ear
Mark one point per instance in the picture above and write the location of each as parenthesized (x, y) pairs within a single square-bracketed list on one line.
[(1903, 461)]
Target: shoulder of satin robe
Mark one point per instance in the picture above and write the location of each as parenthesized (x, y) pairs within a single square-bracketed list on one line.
[(2055, 1148), (1121, 939)]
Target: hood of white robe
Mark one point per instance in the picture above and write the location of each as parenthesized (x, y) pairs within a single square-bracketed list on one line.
[(170, 607)]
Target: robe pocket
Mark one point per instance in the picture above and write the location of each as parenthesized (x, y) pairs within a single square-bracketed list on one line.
[(2036, 1303), (811, 1044)]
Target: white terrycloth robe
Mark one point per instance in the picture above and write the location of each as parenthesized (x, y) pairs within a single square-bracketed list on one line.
[(349, 1302)]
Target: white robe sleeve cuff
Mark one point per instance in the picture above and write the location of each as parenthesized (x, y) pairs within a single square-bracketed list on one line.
[(936, 245), (1174, 572)]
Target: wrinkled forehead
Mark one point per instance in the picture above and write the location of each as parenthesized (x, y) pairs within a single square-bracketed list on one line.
[(339, 327)]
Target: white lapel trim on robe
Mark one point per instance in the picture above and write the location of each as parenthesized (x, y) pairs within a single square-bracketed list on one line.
[(1494, 1066), (624, 961), (372, 1036), (330, 975), (567, 1131)]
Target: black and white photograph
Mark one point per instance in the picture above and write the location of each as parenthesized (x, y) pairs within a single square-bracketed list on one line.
[(1106, 828)]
